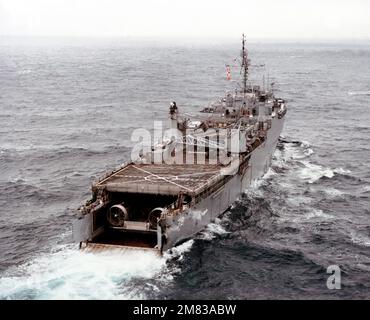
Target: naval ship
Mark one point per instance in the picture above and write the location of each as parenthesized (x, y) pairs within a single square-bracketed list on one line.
[(174, 187)]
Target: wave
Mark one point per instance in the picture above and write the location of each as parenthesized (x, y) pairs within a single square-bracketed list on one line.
[(332, 192), (179, 251), (51, 153), (60, 149), (359, 239), (69, 273), (298, 200), (212, 230), (24, 71), (359, 93), (283, 139), (318, 214), (20, 189), (288, 150), (313, 172)]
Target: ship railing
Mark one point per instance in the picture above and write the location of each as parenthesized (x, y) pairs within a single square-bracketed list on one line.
[(107, 174), (157, 188), (199, 141)]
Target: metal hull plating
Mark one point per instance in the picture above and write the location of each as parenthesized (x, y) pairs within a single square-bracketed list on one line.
[(198, 217)]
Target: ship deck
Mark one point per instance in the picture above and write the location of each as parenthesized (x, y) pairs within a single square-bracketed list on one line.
[(161, 178)]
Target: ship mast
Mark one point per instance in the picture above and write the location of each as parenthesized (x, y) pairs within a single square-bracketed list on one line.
[(245, 65)]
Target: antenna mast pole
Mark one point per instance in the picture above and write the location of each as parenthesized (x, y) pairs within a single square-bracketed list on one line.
[(244, 65)]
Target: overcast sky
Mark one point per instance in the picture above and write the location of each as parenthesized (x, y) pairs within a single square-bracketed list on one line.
[(259, 19)]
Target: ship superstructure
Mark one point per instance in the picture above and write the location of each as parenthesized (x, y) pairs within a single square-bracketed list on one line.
[(179, 184)]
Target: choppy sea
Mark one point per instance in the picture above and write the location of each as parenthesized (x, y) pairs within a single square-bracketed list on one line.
[(67, 111)]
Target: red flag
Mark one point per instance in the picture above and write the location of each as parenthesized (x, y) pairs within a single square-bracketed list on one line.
[(228, 73)]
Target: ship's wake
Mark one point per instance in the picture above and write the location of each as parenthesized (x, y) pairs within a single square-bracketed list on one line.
[(295, 158), (69, 273)]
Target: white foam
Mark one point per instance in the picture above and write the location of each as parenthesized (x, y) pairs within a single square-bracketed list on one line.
[(216, 228), (212, 230), (314, 216), (289, 152), (359, 93), (70, 273), (313, 172), (298, 200), (341, 171), (333, 192), (360, 239), (25, 71), (298, 154), (305, 144), (308, 152), (318, 213), (254, 188), (270, 173), (293, 152), (178, 251)]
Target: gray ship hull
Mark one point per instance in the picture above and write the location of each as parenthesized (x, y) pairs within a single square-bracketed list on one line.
[(198, 217), (175, 187)]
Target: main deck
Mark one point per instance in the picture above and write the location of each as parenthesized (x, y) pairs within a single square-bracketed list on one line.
[(161, 179)]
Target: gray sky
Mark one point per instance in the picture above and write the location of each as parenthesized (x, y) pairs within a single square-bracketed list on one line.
[(259, 19)]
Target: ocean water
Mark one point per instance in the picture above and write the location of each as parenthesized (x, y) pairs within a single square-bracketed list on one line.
[(67, 111)]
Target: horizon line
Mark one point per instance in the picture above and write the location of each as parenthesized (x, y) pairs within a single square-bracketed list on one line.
[(196, 39)]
